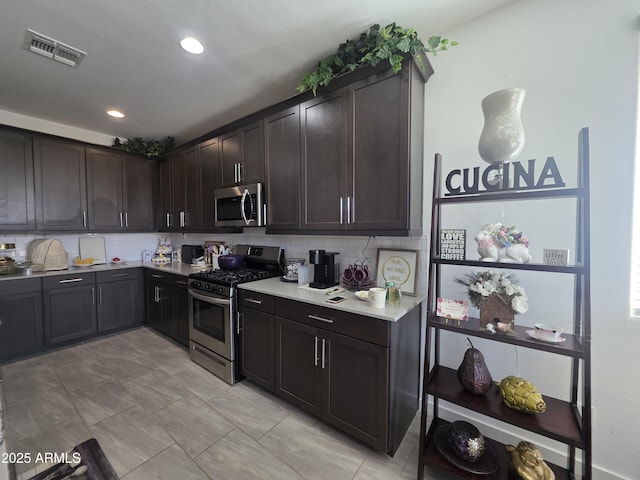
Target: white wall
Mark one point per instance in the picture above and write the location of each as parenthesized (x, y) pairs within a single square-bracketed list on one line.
[(578, 61)]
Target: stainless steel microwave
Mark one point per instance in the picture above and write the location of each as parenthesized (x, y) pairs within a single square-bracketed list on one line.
[(240, 206)]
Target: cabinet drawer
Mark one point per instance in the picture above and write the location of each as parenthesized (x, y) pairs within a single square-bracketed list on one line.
[(257, 301), (166, 278), (11, 287), (68, 280), (356, 326), (118, 275)]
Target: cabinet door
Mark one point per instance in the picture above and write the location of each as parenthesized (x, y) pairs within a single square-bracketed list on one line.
[(209, 168), (119, 297), (70, 312), (379, 168), (191, 187), (180, 326), (137, 192), (257, 347), (61, 185), (178, 192), (21, 329), (17, 211), (324, 162), (165, 213), (282, 134), (160, 307), (252, 167), (355, 388), (230, 157), (104, 190), (298, 369)]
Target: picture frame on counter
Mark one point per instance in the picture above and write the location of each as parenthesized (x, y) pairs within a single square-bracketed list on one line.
[(398, 266)]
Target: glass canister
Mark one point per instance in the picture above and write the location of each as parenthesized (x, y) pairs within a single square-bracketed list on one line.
[(395, 295)]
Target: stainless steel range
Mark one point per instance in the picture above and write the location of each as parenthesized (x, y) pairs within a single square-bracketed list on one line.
[(213, 309)]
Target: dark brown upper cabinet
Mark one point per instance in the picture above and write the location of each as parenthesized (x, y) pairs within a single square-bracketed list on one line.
[(120, 191), (242, 155), (282, 154), (180, 186), (361, 165), (60, 185), (209, 154), (17, 197)]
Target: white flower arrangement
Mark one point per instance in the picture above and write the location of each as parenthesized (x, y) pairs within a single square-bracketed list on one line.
[(484, 284)]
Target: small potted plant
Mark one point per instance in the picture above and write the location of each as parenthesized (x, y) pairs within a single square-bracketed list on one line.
[(499, 298)]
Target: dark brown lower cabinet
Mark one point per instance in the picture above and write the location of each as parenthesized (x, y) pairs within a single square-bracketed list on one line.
[(21, 329), (357, 373), (69, 307), (120, 294), (167, 304), (257, 339)]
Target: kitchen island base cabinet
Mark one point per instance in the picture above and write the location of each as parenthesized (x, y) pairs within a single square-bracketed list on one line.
[(21, 330)]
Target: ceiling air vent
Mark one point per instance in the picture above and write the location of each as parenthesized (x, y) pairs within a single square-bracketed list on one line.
[(50, 48)]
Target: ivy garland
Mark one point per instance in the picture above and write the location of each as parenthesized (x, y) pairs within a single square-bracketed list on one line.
[(378, 44), (148, 148)]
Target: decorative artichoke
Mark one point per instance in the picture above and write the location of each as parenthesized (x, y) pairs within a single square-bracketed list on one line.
[(521, 395)]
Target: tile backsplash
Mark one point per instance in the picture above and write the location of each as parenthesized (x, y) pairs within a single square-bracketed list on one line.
[(129, 246)]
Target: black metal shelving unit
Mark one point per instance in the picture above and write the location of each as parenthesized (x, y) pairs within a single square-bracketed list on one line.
[(568, 422)]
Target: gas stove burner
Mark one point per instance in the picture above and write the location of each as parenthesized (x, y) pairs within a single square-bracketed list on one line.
[(233, 277)]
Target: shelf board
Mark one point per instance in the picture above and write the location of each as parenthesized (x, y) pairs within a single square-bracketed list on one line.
[(502, 195), (538, 267), (572, 346), (433, 458), (557, 422)]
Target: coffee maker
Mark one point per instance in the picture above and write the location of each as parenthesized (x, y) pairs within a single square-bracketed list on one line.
[(326, 269)]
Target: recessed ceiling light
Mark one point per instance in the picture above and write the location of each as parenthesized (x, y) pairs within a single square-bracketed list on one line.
[(115, 113), (192, 45)]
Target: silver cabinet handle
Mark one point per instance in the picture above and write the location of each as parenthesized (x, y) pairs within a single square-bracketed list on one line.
[(348, 209), (71, 280), (315, 353), (155, 275), (84, 218), (239, 172), (340, 210), (181, 282), (121, 221), (99, 294), (324, 344), (168, 219), (253, 300), (93, 295), (321, 319), (114, 275), (126, 220), (240, 321)]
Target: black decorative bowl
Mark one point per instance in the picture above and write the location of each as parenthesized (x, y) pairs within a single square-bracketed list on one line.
[(231, 261)]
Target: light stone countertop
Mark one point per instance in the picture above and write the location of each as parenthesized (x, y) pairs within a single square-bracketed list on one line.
[(176, 268), (278, 288)]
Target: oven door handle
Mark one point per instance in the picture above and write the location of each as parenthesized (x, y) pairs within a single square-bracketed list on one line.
[(246, 195), (208, 299)]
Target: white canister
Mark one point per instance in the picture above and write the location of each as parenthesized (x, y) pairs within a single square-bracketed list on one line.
[(305, 274)]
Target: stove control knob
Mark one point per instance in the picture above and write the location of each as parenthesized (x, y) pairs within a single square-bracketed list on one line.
[(207, 286), (195, 284)]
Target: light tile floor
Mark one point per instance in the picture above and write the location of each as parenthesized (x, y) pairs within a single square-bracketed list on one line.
[(157, 415)]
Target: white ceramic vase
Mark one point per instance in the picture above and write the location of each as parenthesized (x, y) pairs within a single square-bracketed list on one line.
[(502, 138)]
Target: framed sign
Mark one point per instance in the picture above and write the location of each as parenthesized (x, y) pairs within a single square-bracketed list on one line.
[(453, 243), (399, 266)]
